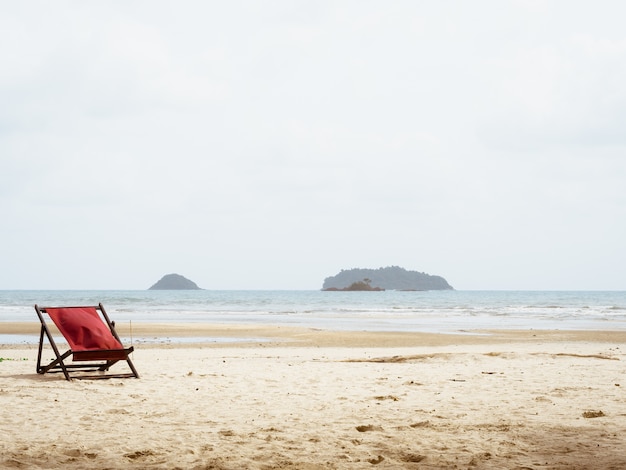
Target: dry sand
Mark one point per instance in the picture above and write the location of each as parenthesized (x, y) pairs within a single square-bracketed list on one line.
[(310, 399)]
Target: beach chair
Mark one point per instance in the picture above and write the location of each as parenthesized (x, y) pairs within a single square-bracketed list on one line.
[(94, 343)]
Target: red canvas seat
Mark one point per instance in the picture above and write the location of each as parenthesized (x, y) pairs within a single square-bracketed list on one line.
[(89, 339)]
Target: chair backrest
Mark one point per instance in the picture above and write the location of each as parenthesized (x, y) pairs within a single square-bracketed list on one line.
[(83, 328)]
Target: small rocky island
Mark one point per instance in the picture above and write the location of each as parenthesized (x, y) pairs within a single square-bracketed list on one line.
[(392, 278), (174, 282), (365, 284)]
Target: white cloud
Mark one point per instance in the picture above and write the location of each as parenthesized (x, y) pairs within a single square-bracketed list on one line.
[(269, 145)]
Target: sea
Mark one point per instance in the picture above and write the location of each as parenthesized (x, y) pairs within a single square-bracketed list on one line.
[(448, 311)]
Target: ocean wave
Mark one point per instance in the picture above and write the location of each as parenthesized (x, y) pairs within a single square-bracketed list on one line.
[(387, 310)]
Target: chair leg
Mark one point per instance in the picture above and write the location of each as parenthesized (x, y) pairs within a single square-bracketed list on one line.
[(56, 363), (40, 350), (132, 367)]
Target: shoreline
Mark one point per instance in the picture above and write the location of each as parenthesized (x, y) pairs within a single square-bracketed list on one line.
[(155, 335)]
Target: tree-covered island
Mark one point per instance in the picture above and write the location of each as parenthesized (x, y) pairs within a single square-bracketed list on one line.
[(389, 278)]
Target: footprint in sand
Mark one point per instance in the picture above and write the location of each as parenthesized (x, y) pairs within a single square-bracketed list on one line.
[(139, 454), (368, 427), (386, 397), (377, 460), (413, 458)]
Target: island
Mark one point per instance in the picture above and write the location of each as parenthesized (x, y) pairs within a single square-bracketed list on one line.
[(391, 278), (174, 282)]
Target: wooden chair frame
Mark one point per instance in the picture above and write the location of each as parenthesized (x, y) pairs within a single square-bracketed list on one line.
[(105, 357)]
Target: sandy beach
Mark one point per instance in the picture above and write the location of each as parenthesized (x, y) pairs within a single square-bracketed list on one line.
[(289, 398)]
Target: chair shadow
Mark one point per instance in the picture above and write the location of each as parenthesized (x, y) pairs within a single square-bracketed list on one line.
[(35, 377)]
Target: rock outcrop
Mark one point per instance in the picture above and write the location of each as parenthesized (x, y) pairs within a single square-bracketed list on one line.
[(363, 285), (174, 282)]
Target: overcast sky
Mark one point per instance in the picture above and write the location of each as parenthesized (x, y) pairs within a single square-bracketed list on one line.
[(270, 144)]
